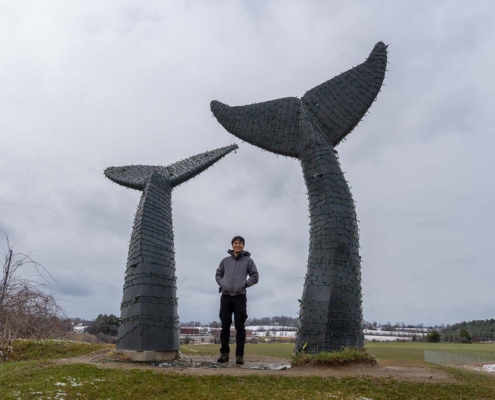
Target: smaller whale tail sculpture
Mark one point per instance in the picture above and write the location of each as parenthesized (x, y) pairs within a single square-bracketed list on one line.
[(149, 318)]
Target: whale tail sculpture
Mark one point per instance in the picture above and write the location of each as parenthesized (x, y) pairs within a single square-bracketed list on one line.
[(149, 318), (309, 129)]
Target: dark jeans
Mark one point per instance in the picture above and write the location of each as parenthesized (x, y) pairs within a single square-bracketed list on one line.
[(237, 305)]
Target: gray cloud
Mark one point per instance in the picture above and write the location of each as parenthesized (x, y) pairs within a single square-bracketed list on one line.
[(89, 85)]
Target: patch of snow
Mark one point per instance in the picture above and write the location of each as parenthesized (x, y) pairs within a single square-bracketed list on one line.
[(188, 348), (389, 333), (488, 368), (270, 328), (289, 334), (386, 338)]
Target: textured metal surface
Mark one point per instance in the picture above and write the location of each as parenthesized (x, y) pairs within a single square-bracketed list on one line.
[(309, 129), (149, 318)]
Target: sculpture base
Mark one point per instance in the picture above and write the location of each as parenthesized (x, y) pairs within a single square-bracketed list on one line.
[(148, 356)]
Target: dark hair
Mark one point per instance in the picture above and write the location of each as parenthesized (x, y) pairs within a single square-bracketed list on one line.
[(238, 238)]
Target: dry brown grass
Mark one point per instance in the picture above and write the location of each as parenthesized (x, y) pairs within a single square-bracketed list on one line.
[(82, 337), (118, 355)]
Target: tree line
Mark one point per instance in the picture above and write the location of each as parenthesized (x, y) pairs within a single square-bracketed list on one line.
[(104, 325), (478, 330), (465, 332)]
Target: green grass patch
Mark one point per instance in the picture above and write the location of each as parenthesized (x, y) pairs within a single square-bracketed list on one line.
[(51, 349), (411, 354), (407, 354), (344, 357), (38, 380)]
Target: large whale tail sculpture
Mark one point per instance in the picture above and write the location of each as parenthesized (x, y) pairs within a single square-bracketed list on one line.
[(149, 318), (309, 129)]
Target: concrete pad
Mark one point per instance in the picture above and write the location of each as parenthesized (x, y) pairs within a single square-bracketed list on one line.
[(149, 356)]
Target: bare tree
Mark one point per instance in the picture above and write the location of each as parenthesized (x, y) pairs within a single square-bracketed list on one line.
[(28, 308)]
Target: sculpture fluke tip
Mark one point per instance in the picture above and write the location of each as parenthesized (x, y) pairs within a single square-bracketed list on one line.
[(324, 116), (136, 176)]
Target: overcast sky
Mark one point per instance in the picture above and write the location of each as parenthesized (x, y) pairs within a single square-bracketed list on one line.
[(85, 85)]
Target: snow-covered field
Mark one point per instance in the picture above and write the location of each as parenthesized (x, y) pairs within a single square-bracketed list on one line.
[(290, 332), (270, 328), (379, 332), (272, 331), (370, 335), (387, 338)]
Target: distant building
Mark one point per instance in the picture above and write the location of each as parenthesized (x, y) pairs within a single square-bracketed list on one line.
[(216, 333), (189, 331), (79, 328)]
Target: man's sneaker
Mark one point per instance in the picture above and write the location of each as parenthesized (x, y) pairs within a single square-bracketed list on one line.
[(239, 360), (223, 358)]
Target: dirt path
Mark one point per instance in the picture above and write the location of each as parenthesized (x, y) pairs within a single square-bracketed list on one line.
[(207, 365)]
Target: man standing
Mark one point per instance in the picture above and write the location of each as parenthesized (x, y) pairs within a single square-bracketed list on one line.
[(231, 277)]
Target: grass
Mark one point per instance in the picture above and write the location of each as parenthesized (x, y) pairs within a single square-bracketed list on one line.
[(29, 380), (388, 353), (43, 379), (344, 357), (412, 353), (51, 349)]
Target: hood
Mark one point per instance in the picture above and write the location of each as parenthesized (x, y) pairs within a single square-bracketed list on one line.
[(244, 253)]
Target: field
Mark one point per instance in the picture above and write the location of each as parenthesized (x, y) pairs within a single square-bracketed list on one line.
[(388, 353), (38, 373)]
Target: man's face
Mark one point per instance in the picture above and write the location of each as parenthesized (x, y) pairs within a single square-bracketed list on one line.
[(237, 246)]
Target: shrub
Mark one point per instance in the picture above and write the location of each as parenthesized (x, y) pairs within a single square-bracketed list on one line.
[(28, 310), (464, 336), (107, 324), (104, 338), (82, 337), (433, 337)]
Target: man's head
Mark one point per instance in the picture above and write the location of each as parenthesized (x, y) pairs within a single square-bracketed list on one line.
[(238, 244)]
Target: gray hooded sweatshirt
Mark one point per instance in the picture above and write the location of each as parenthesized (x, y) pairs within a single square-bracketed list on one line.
[(232, 272)]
